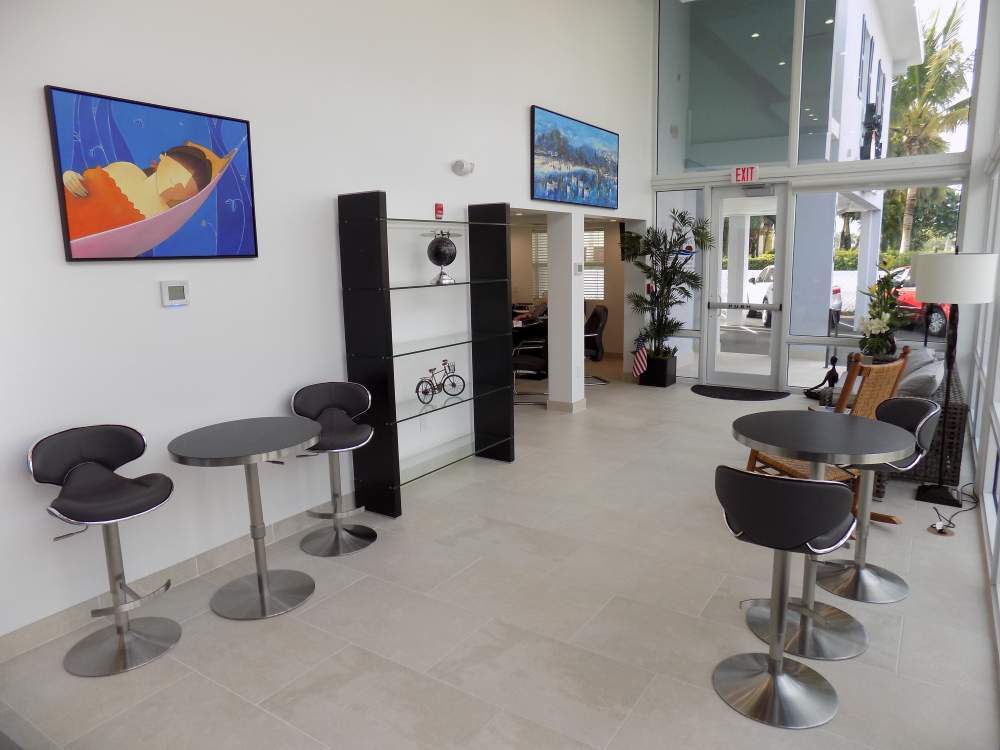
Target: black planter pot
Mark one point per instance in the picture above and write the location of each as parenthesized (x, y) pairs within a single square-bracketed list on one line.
[(660, 372)]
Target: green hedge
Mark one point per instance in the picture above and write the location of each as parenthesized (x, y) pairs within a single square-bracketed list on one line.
[(845, 260), (761, 261)]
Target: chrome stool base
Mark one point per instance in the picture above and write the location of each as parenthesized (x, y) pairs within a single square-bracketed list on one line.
[(338, 540), (242, 598), (861, 583), (105, 652), (798, 697), (830, 634)]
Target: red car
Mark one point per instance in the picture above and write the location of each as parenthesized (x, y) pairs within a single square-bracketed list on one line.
[(913, 310)]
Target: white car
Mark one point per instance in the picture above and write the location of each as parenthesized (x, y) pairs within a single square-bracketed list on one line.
[(761, 291)]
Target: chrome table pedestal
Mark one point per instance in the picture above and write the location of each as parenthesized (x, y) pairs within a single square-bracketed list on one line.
[(771, 688), (858, 579), (816, 630), (265, 593), (248, 442), (813, 629)]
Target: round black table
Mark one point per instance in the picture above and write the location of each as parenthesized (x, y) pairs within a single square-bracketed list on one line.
[(247, 442), (817, 630)]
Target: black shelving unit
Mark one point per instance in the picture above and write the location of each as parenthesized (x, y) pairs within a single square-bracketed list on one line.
[(364, 266)]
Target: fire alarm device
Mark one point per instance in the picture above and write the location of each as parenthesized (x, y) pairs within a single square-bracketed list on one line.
[(438, 210)]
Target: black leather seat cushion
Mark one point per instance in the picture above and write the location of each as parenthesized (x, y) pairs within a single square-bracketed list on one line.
[(92, 493), (830, 538), (340, 432)]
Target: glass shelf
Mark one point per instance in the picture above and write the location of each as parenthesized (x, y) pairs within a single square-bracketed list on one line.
[(412, 408), (418, 346), (445, 455), (422, 286)]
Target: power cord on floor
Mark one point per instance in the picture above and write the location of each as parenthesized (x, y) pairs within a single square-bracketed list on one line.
[(946, 524)]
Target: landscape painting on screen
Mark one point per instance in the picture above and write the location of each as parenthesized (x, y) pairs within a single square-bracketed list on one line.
[(572, 162), (140, 181)]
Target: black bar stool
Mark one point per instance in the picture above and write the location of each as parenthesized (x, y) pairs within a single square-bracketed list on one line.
[(336, 406), (82, 461), (916, 415), (787, 515)]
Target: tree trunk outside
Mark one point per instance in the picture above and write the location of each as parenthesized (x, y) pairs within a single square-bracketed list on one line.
[(907, 231), (845, 232)]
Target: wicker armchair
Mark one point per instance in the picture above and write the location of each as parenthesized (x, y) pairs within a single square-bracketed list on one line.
[(878, 383)]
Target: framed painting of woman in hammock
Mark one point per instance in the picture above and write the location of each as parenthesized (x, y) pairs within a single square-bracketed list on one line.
[(141, 181)]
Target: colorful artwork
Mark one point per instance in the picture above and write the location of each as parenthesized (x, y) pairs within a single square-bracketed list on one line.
[(572, 162), (139, 181)]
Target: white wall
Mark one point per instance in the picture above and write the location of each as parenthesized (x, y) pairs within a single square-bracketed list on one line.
[(341, 97)]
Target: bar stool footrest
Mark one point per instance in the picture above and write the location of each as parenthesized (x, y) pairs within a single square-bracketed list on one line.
[(136, 601)]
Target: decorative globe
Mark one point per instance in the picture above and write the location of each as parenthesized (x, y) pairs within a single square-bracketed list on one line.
[(442, 251)]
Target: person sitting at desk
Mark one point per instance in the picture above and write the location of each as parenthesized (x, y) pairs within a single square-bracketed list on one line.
[(539, 310)]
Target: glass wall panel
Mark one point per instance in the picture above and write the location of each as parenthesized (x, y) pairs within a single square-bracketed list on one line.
[(818, 132), (724, 82), (845, 240), (687, 356), (867, 93), (692, 201)]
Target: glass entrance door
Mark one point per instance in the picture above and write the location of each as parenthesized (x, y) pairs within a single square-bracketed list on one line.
[(744, 282)]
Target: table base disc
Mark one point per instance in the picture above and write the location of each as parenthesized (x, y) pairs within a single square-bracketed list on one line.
[(834, 634), (241, 600), (797, 698), (104, 652), (871, 583), (338, 540)]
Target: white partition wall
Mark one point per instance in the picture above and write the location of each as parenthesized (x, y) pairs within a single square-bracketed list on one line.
[(566, 312)]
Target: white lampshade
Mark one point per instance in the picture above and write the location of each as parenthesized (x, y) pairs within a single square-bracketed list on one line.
[(955, 278)]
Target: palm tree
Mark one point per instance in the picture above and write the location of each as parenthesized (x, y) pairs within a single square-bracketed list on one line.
[(664, 258), (923, 102)]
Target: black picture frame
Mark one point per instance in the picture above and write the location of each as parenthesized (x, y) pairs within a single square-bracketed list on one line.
[(531, 149), (57, 167)]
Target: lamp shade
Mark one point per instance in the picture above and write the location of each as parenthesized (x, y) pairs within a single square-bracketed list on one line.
[(955, 278)]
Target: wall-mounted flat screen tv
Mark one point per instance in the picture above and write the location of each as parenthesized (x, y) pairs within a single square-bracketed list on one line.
[(572, 161), (139, 181)]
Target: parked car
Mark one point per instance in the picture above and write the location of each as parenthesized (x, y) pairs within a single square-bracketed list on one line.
[(762, 291), (913, 310)]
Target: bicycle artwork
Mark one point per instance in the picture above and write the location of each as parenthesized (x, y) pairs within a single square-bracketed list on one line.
[(443, 379)]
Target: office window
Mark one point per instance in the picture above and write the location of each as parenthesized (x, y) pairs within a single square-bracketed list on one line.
[(593, 264), (540, 262)]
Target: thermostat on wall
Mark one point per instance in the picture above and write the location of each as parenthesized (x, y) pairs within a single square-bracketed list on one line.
[(173, 293)]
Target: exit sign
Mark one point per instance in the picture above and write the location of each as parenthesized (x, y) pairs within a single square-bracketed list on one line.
[(746, 173)]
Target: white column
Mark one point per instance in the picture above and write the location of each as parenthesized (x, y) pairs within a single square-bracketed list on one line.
[(815, 225), (868, 257), (737, 255), (566, 312)]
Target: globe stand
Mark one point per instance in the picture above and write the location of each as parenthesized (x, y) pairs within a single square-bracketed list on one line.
[(442, 278)]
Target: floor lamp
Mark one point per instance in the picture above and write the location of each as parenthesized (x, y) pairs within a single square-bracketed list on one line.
[(953, 280)]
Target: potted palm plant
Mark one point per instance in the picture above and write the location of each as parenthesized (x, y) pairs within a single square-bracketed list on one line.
[(665, 259)]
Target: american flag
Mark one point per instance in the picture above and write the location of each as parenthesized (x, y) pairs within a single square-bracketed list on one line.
[(639, 357)]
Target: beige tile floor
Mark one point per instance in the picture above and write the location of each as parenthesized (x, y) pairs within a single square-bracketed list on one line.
[(578, 598)]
